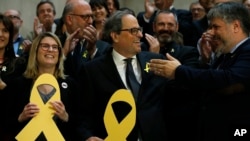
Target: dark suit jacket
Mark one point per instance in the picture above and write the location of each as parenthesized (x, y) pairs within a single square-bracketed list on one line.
[(201, 25), (18, 94), (73, 63), (182, 103), (187, 55), (99, 79), (226, 94)]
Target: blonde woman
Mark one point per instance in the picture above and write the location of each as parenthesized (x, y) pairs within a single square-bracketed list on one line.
[(46, 56)]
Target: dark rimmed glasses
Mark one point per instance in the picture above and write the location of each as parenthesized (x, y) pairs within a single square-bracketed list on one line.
[(46, 47), (14, 17), (133, 31), (84, 17)]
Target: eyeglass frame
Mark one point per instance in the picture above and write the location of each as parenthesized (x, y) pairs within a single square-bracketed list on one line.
[(84, 17), (133, 31), (47, 47), (14, 17)]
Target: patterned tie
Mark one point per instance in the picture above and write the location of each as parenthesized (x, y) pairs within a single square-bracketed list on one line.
[(133, 84)]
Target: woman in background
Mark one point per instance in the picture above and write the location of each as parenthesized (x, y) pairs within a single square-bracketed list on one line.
[(113, 6), (101, 13)]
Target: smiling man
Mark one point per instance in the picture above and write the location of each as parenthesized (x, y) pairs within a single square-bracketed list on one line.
[(225, 86), (102, 77)]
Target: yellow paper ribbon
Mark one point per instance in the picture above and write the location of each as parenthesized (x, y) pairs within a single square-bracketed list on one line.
[(43, 121), (119, 131)]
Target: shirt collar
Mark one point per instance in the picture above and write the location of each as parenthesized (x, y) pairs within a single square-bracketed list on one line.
[(240, 43)]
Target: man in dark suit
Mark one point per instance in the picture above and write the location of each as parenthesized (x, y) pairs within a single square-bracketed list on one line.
[(146, 19), (102, 77), (166, 40), (182, 104), (80, 41), (224, 87), (207, 55)]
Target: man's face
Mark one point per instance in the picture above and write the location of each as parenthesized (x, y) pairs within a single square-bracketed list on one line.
[(222, 33), (15, 18), (198, 12), (127, 42), (46, 15), (165, 27), (81, 17)]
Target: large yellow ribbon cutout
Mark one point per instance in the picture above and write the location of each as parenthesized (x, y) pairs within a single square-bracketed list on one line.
[(43, 121), (119, 131)]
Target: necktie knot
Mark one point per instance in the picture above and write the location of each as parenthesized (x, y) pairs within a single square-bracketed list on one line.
[(128, 60)]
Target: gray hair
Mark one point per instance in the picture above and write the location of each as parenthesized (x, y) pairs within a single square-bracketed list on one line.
[(231, 11), (167, 12)]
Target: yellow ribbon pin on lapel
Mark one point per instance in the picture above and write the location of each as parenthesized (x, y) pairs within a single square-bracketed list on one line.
[(147, 69), (119, 131), (43, 121)]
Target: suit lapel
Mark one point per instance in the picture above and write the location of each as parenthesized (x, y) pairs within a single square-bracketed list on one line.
[(143, 59), (109, 69)]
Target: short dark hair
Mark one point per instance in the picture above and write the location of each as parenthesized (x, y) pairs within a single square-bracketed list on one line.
[(98, 3), (43, 2), (116, 4)]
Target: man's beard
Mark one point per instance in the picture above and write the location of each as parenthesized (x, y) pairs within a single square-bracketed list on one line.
[(164, 39)]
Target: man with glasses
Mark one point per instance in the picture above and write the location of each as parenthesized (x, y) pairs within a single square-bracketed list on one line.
[(102, 77), (20, 45), (80, 42)]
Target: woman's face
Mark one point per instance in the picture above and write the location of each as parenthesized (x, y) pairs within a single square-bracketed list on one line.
[(100, 13), (111, 6), (4, 36), (48, 53)]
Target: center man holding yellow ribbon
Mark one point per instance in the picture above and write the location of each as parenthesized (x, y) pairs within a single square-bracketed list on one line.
[(101, 78), (41, 101)]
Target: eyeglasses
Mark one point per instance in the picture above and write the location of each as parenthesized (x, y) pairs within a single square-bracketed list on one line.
[(13, 17), (46, 47), (84, 17), (133, 31)]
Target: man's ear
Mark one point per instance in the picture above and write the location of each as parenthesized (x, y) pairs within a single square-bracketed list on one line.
[(236, 26), (114, 36), (69, 20)]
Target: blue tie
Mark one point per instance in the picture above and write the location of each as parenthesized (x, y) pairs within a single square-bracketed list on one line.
[(133, 84)]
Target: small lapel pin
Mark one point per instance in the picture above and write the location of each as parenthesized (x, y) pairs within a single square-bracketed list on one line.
[(4, 68), (172, 50), (85, 53), (147, 68)]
